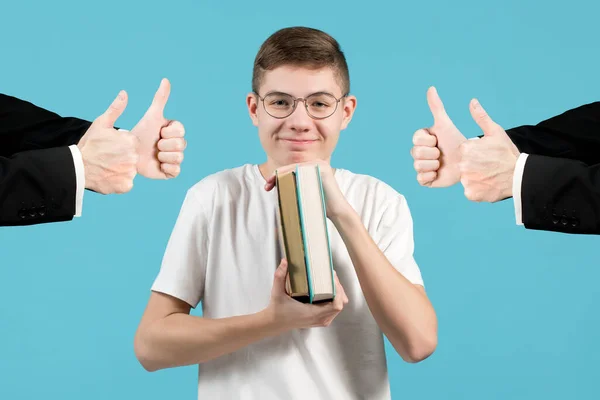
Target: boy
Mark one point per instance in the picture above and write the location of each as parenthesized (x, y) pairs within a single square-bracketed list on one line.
[(253, 341)]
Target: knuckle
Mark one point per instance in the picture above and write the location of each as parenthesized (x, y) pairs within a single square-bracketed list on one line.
[(133, 140), (419, 135), (468, 194), (418, 152), (180, 128)]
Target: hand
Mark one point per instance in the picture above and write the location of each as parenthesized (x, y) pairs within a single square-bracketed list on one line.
[(436, 149), (161, 141), (488, 163), (109, 156), (335, 202), (288, 313)]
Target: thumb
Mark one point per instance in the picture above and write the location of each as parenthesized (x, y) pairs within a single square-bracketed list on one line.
[(481, 117), (436, 106), (280, 276), (114, 111), (161, 96)]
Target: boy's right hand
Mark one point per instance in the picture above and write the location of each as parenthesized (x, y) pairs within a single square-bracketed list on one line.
[(288, 313)]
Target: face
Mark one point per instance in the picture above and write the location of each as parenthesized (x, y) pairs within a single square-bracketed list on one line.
[(299, 137)]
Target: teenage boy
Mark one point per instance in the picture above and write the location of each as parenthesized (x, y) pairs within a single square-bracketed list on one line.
[(253, 340)]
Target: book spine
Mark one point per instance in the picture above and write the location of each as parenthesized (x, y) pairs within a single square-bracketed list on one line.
[(311, 291), (326, 229)]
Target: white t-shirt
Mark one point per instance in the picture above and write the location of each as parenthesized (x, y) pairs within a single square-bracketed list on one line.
[(223, 252)]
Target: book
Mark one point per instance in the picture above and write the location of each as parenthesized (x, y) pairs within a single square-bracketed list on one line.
[(304, 236)]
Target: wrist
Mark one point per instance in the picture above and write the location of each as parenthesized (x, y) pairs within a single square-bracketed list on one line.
[(345, 217), (508, 187), (269, 323)]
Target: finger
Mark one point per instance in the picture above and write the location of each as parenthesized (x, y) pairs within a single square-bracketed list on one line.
[(174, 144), (170, 157), (481, 117), (341, 293), (161, 96), (426, 178), (425, 153), (114, 111), (270, 183), (436, 106), (280, 277), (170, 170), (423, 138), (426, 165), (175, 129)]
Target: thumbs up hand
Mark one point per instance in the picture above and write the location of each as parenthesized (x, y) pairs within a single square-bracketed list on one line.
[(487, 164), (161, 141), (109, 156), (436, 150)]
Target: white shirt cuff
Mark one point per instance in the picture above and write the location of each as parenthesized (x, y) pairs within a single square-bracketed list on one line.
[(80, 179), (516, 189)]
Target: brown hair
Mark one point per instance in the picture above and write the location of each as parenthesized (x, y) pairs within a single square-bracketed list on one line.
[(303, 47)]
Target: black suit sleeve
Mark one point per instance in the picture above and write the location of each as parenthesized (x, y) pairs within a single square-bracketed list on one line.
[(25, 126), (560, 189), (37, 173), (574, 134), (37, 186), (558, 194)]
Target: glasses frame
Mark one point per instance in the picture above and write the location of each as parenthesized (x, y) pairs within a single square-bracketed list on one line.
[(301, 99)]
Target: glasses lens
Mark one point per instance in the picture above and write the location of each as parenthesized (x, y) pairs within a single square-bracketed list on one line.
[(279, 105), (321, 105)]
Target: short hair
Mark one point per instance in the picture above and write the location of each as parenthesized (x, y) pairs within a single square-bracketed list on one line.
[(302, 47)]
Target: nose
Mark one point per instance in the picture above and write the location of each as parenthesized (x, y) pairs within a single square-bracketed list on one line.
[(299, 120)]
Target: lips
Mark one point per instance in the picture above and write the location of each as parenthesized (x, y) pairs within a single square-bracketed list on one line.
[(300, 141)]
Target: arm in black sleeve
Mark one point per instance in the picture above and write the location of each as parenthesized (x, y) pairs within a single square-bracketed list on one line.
[(37, 186), (25, 126), (574, 134), (562, 195)]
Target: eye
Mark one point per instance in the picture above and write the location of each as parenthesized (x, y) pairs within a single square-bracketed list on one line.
[(279, 102)]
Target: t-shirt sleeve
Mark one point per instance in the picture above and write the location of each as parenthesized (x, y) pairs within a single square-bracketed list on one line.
[(183, 268), (395, 238)]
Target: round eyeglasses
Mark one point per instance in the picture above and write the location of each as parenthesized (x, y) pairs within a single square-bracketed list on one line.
[(318, 105)]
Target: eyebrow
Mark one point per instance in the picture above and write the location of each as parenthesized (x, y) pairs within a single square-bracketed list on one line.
[(311, 94)]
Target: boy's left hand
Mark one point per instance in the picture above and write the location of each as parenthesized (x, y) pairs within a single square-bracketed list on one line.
[(335, 202)]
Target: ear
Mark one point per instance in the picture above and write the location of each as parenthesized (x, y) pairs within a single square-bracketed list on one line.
[(348, 104), (252, 103)]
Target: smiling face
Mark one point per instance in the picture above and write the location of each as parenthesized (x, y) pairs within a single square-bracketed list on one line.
[(299, 137)]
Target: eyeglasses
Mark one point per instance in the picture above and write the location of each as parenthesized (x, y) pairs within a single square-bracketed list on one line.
[(282, 105)]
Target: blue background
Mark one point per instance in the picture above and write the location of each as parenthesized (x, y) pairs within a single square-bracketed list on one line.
[(517, 309)]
